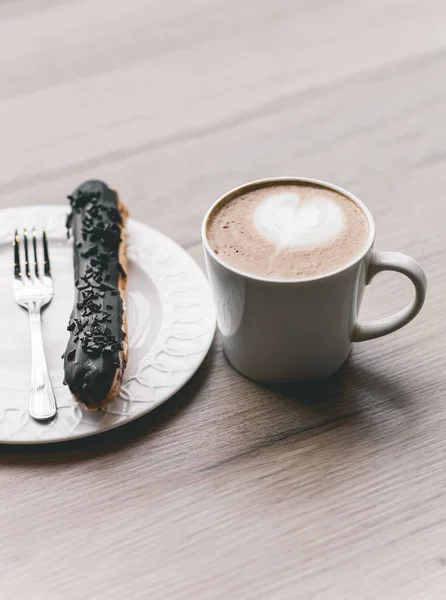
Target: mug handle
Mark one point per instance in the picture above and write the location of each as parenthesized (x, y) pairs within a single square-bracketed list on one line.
[(393, 261)]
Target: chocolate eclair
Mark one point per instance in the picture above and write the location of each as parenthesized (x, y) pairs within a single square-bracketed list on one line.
[(97, 350)]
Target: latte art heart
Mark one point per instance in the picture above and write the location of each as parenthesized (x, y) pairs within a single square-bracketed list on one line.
[(288, 221)]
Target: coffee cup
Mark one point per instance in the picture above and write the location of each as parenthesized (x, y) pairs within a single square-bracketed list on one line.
[(291, 313)]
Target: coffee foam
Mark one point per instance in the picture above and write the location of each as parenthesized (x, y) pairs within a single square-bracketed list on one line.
[(287, 221), (286, 231)]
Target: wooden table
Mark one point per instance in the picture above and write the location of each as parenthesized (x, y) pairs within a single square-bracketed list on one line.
[(231, 489)]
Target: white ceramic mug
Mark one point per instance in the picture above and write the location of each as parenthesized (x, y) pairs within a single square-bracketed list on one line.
[(277, 330)]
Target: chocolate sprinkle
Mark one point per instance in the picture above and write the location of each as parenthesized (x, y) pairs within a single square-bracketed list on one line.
[(121, 270), (96, 335)]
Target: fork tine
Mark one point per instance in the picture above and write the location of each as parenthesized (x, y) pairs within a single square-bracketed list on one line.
[(25, 240), (46, 257), (36, 265), (17, 272)]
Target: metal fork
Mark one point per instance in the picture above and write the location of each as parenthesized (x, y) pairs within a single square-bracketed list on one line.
[(33, 290)]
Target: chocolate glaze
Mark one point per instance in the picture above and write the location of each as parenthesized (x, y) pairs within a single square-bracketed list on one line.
[(96, 339)]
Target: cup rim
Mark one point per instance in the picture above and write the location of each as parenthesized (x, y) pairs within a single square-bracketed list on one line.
[(252, 185)]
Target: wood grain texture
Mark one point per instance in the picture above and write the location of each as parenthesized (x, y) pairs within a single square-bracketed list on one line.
[(232, 489)]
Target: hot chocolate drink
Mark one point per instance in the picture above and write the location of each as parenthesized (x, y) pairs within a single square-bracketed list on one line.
[(284, 231)]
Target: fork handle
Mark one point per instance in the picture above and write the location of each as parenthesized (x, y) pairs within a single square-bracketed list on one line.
[(42, 402)]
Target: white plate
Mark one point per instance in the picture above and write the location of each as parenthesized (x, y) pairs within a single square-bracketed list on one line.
[(171, 324)]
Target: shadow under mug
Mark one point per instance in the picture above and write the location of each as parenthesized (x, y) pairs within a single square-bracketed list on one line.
[(279, 330)]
